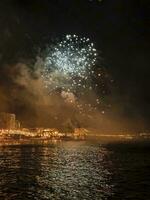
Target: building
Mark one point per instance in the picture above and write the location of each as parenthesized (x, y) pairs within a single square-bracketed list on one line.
[(7, 121), (17, 124), (49, 132)]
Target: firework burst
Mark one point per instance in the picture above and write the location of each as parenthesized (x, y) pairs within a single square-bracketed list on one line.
[(69, 68), (69, 63)]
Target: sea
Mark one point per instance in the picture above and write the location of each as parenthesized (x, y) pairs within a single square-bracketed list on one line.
[(76, 170)]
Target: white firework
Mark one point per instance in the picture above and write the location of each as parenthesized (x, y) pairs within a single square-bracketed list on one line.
[(68, 64)]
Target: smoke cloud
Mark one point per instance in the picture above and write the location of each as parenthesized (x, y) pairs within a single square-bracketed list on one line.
[(22, 92)]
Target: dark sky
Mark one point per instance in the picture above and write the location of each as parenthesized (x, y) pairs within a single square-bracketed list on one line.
[(119, 28)]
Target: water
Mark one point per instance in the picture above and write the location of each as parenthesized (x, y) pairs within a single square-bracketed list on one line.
[(75, 170)]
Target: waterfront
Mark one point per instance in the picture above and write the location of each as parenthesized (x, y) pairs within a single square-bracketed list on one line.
[(75, 170)]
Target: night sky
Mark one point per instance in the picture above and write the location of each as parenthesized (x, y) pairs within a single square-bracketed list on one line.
[(119, 29)]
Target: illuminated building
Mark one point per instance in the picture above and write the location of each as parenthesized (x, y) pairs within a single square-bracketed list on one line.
[(17, 124), (7, 121)]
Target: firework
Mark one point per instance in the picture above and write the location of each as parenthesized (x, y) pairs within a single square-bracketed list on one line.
[(69, 63), (69, 67)]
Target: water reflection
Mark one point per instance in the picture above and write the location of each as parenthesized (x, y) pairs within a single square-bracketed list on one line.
[(67, 170)]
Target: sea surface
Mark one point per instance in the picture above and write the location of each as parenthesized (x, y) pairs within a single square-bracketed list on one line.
[(71, 170)]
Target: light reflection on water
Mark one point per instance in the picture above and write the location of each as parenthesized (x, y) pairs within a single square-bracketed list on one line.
[(65, 170)]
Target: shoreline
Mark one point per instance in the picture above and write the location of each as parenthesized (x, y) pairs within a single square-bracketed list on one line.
[(45, 141)]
